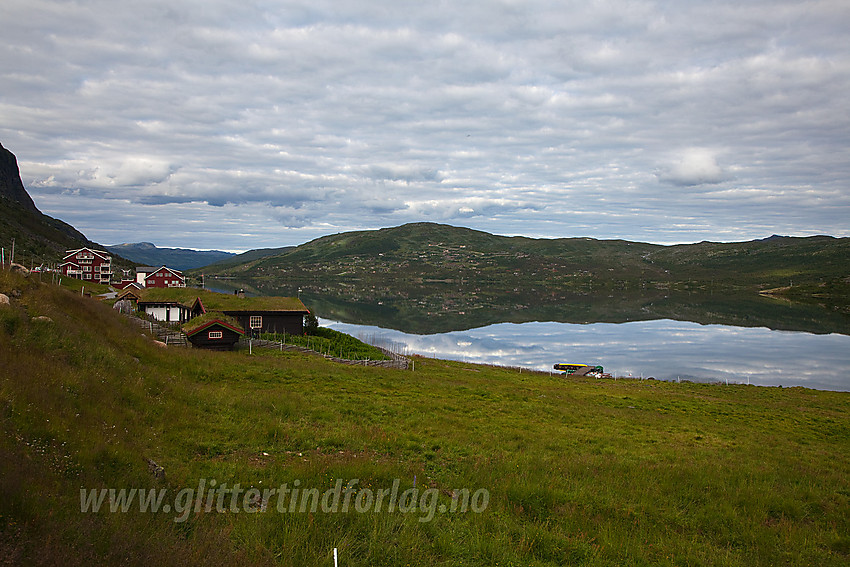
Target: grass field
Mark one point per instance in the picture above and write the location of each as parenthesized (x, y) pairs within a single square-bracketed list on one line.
[(578, 471)]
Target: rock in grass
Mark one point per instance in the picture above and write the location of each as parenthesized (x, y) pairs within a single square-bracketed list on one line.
[(155, 469)]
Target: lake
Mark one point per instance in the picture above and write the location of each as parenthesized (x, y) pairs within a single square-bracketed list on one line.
[(709, 338), (663, 349)]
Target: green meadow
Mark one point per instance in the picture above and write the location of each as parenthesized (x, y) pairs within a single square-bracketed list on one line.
[(577, 471)]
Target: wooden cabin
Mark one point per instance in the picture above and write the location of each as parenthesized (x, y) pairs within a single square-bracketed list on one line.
[(213, 331)]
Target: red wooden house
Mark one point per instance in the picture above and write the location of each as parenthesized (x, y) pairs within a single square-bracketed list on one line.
[(161, 277), (88, 265)]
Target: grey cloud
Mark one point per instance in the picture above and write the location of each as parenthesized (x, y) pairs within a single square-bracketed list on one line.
[(164, 199), (383, 206), (694, 166), (401, 173), (500, 115)]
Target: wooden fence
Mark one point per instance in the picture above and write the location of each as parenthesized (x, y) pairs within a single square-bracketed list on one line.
[(173, 337), (396, 360)]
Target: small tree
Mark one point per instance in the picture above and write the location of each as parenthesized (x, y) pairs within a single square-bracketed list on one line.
[(311, 324)]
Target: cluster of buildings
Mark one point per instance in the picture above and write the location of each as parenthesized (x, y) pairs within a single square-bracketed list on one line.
[(217, 320), (92, 265), (209, 319)]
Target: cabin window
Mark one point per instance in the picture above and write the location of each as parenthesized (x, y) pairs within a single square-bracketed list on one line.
[(216, 334), (255, 322)]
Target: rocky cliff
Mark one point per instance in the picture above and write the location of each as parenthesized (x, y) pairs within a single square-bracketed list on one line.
[(11, 186)]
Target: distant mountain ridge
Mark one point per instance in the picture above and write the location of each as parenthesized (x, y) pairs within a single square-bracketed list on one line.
[(177, 258)]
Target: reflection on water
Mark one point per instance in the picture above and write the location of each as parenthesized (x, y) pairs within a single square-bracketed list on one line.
[(731, 338), (663, 349), (443, 308)]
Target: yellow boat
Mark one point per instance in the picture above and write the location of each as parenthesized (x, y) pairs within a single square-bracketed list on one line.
[(578, 369)]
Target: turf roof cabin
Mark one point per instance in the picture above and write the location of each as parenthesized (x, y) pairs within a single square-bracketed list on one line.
[(213, 331), (162, 309), (253, 314), (130, 294)]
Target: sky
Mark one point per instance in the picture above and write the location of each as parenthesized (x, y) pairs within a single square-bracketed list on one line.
[(239, 124)]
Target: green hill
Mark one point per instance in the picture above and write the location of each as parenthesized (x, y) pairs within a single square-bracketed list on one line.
[(431, 252), (575, 471), (427, 277), (244, 258)]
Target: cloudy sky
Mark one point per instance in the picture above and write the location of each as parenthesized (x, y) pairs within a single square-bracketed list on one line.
[(237, 124)]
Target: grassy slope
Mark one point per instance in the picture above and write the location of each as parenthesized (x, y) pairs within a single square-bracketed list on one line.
[(580, 472), (244, 258), (777, 259)]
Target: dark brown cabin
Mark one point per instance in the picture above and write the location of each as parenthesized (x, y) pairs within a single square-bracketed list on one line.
[(215, 335)]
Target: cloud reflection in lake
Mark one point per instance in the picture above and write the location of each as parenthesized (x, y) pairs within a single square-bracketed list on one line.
[(663, 349)]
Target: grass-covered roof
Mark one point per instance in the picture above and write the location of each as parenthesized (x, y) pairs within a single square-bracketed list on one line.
[(214, 301), (197, 323)]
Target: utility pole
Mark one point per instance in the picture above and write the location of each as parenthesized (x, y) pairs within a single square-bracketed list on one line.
[(12, 259)]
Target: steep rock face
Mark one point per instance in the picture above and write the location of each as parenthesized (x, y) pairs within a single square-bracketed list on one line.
[(38, 237), (11, 185)]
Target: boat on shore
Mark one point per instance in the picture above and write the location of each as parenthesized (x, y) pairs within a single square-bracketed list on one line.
[(572, 369)]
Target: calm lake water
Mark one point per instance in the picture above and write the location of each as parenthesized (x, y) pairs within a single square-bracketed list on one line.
[(663, 349)]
